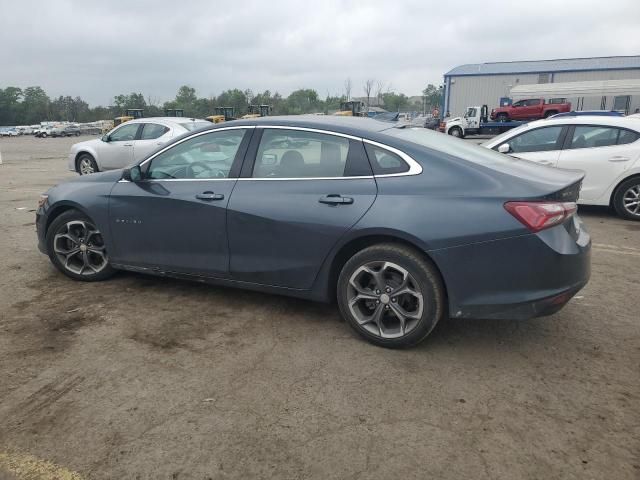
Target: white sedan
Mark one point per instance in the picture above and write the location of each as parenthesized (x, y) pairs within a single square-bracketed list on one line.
[(128, 143), (605, 148)]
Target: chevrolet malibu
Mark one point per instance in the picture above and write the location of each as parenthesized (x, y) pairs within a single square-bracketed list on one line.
[(401, 226)]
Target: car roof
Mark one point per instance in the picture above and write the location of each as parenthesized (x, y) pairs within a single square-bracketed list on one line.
[(614, 121), (356, 126)]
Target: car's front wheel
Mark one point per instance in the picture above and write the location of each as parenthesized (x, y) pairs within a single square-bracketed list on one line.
[(391, 295), (86, 164), (76, 247)]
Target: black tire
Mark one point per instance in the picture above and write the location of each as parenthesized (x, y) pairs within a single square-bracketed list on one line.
[(420, 271), (503, 117), (549, 113), (628, 190), (100, 270), (44, 135), (456, 132), (84, 163)]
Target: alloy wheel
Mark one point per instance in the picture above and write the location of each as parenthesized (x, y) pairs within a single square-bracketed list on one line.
[(79, 247), (385, 299), (631, 200), (86, 166)]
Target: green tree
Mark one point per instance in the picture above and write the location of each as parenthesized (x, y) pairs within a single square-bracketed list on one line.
[(10, 105), (394, 102), (432, 96), (303, 101), (35, 106)]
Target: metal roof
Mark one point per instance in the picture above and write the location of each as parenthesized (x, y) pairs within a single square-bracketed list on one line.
[(547, 66), (577, 89)]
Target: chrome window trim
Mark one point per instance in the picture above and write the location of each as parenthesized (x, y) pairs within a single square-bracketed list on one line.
[(414, 167)]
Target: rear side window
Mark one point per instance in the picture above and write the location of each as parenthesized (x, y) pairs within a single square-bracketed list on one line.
[(151, 131), (533, 102), (592, 136), (627, 136), (543, 139), (300, 154), (385, 162)]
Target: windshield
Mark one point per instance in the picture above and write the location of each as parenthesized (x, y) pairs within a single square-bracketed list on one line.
[(191, 126), (453, 146)]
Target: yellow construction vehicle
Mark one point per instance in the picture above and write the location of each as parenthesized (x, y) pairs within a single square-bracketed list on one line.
[(223, 114), (351, 109), (256, 111), (131, 114), (173, 112)]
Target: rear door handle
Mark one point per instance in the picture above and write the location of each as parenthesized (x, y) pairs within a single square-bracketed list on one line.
[(335, 199), (619, 158), (127, 144), (209, 196)]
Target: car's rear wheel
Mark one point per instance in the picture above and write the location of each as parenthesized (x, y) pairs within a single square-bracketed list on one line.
[(503, 117), (76, 247), (391, 295), (549, 113), (86, 164), (626, 201)]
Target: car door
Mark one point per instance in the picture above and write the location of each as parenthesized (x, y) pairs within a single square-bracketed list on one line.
[(152, 136), (116, 149), (302, 191), (517, 109), (530, 109), (175, 218), (541, 145), (602, 152)]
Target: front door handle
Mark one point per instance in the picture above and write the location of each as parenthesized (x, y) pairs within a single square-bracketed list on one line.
[(335, 199), (619, 158), (209, 196)]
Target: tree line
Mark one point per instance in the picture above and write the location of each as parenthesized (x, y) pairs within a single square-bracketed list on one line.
[(32, 105)]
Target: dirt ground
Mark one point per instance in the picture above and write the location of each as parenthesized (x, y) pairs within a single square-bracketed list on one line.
[(148, 378)]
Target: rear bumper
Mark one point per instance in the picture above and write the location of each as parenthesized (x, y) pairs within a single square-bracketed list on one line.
[(517, 278)]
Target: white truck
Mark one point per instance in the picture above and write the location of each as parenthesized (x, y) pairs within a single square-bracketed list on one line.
[(475, 121)]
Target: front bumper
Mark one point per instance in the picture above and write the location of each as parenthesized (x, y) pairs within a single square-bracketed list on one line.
[(516, 278)]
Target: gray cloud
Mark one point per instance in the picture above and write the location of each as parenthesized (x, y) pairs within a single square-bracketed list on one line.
[(99, 49)]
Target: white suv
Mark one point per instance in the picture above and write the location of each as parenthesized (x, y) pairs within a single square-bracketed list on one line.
[(128, 142), (606, 148)]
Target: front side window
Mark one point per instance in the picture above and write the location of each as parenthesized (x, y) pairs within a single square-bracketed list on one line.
[(124, 133), (539, 140), (300, 154), (202, 157), (519, 104), (151, 131)]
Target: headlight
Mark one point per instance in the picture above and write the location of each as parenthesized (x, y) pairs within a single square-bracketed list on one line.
[(42, 200)]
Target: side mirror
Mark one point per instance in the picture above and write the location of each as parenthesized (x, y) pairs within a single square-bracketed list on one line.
[(105, 137), (504, 148), (132, 174)]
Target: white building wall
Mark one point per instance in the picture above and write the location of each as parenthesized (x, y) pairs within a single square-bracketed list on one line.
[(467, 91)]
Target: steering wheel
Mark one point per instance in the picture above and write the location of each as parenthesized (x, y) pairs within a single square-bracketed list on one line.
[(191, 173)]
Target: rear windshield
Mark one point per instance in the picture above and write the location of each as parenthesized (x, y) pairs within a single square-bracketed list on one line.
[(452, 146), (191, 126)]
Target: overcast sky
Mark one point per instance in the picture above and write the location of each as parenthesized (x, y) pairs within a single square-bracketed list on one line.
[(97, 49)]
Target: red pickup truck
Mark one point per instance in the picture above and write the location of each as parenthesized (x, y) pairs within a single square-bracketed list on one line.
[(529, 109)]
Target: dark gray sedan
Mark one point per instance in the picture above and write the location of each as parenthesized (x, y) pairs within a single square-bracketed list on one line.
[(402, 226)]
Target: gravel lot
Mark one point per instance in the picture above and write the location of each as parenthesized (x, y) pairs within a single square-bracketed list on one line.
[(141, 377)]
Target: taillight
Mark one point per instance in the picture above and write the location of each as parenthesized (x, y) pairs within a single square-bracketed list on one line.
[(538, 216)]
